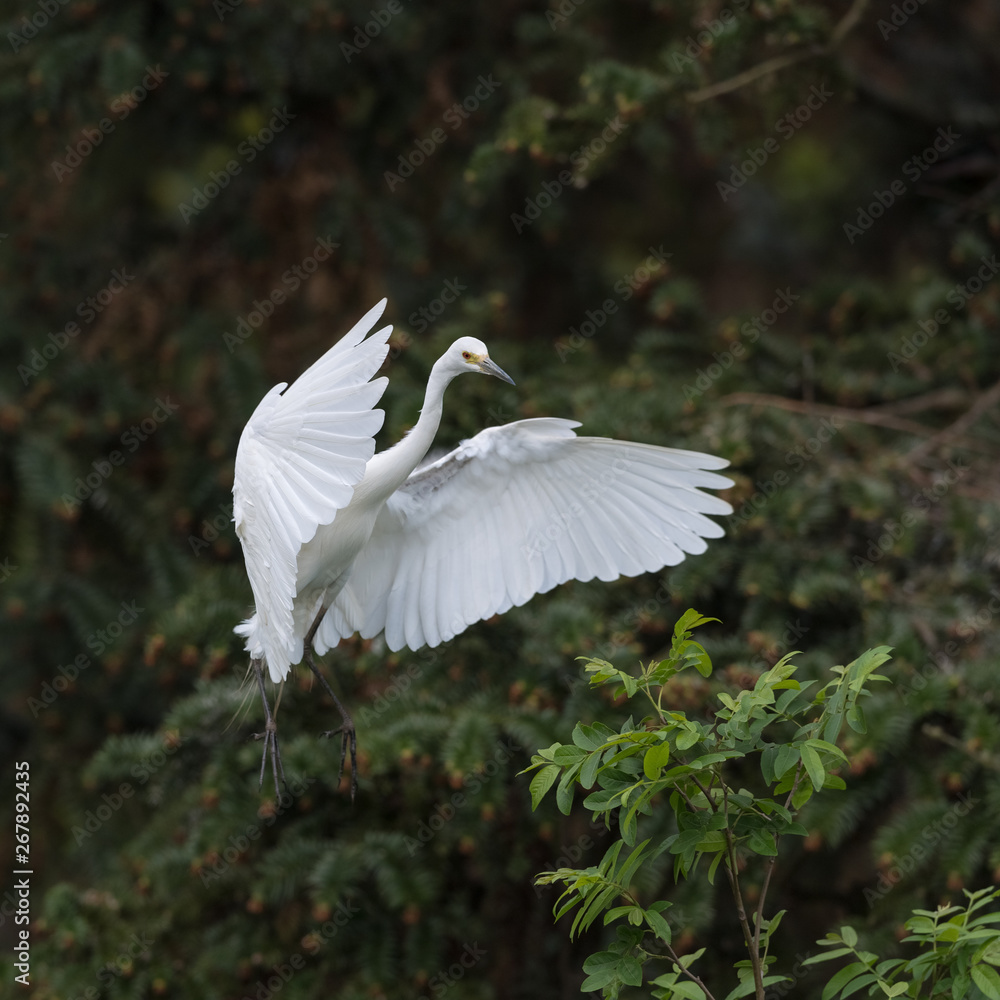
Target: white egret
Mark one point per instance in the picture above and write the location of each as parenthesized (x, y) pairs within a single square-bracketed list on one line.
[(339, 540)]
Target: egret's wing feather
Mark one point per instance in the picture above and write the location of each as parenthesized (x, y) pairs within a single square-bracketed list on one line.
[(299, 458), (513, 512)]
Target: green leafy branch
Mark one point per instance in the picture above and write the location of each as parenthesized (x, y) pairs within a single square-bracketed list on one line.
[(959, 956), (793, 732)]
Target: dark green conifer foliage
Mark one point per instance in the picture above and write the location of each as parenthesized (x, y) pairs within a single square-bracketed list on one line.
[(591, 141)]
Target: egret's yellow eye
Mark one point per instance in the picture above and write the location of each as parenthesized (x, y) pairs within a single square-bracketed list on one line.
[(466, 355)]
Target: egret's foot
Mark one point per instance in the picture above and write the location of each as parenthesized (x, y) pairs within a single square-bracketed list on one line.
[(269, 736), (347, 734), (348, 737)]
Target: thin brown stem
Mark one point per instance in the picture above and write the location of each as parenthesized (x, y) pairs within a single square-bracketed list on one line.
[(795, 785), (734, 884), (759, 913), (769, 866), (704, 791), (847, 23), (680, 791), (687, 972), (777, 63), (766, 68), (937, 399), (954, 431), (980, 756), (732, 872), (878, 417)]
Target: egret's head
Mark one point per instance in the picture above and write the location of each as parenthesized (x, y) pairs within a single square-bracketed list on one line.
[(470, 355)]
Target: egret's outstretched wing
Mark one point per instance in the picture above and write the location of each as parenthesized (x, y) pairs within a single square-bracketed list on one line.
[(299, 458), (513, 512)]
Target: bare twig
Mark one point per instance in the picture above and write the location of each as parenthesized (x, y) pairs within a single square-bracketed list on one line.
[(980, 756), (847, 23), (953, 431), (772, 65), (877, 417), (949, 398), (777, 63)]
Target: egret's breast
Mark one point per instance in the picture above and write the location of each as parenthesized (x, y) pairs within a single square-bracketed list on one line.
[(328, 555)]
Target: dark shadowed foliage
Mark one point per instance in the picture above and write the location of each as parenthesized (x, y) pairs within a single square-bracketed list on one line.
[(766, 230)]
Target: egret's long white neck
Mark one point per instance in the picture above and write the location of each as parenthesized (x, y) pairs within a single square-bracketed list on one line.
[(388, 470)]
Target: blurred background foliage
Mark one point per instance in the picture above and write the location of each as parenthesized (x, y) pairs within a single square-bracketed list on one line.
[(543, 159)]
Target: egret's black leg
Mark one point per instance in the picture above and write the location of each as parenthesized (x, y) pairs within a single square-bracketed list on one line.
[(269, 736), (348, 737)]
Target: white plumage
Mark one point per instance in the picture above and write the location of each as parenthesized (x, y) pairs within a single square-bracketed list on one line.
[(300, 457), (512, 513), (363, 542)]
